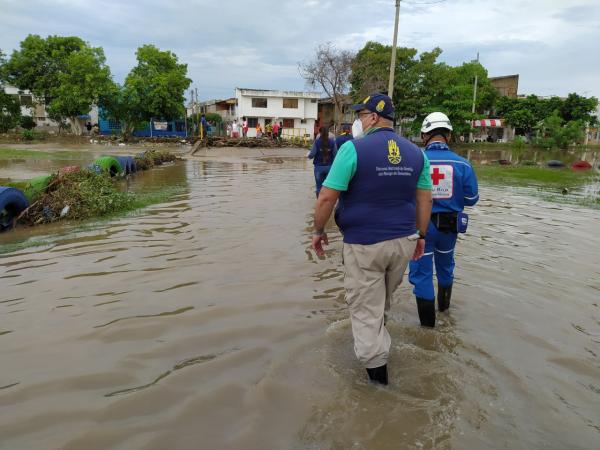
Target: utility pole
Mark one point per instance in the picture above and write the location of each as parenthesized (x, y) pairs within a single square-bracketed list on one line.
[(192, 118), (474, 99), (393, 62), (197, 117)]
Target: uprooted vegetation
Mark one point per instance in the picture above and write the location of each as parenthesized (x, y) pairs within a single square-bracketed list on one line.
[(86, 194)]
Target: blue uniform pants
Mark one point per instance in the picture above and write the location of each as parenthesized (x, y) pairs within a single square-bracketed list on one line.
[(439, 247), (321, 173)]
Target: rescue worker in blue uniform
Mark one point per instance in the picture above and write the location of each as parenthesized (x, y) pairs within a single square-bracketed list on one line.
[(383, 186), (454, 187)]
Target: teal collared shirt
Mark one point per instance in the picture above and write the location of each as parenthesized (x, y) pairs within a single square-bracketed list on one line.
[(344, 168)]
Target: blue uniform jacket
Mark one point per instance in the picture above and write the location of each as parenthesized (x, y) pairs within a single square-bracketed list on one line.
[(316, 156), (453, 178)]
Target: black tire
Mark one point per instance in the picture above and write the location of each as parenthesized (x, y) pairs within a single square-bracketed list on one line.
[(12, 203), (125, 164), (132, 164)]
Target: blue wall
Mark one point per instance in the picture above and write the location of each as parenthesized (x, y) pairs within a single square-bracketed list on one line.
[(175, 128)]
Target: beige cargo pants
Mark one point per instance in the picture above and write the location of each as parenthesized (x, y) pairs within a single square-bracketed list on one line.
[(373, 272)]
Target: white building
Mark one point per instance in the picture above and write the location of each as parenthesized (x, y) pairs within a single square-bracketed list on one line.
[(297, 110)]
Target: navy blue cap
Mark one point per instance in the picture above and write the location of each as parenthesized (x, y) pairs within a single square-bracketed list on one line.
[(377, 103)]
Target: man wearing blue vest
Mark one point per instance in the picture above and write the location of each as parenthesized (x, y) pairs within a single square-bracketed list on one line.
[(454, 187), (382, 187)]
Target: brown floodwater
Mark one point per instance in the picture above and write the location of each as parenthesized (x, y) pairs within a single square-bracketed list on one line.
[(206, 322)]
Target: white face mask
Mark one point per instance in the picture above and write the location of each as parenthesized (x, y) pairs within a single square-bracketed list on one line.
[(357, 129)]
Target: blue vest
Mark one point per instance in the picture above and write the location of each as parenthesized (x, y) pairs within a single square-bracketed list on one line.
[(380, 204), (342, 139)]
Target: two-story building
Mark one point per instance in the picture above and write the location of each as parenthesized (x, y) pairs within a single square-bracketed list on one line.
[(298, 111)]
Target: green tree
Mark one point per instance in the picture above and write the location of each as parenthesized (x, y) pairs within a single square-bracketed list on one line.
[(579, 108), (10, 111), (422, 84), (158, 83), (83, 82), (10, 108), (117, 104), (38, 62), (557, 133), (154, 89), (451, 92), (417, 79), (522, 120), (64, 72)]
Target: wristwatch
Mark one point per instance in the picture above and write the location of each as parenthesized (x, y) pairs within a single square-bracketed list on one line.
[(421, 234)]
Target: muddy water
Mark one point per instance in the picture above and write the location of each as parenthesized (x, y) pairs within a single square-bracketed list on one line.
[(204, 322)]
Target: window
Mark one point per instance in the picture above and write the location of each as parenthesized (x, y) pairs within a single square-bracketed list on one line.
[(26, 100), (290, 103), (252, 122), (302, 120), (288, 123), (259, 102)]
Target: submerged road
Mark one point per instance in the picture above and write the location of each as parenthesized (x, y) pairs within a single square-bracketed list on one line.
[(206, 322)]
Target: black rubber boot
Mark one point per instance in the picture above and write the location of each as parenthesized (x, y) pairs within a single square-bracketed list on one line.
[(379, 374), (444, 294), (426, 312)]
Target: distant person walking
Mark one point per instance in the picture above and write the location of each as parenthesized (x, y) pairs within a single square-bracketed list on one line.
[(454, 187), (259, 131), (245, 127), (269, 129), (276, 131), (322, 153), (204, 125)]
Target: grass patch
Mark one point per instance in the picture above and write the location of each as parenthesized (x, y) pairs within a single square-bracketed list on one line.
[(529, 175), (11, 153)]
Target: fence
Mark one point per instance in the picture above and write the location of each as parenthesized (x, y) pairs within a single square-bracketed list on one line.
[(297, 135)]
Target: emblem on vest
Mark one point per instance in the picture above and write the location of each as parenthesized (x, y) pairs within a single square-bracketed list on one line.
[(394, 152)]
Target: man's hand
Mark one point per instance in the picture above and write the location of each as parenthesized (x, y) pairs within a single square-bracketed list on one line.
[(317, 243), (419, 249)]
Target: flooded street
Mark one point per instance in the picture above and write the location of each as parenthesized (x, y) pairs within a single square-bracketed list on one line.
[(206, 322)]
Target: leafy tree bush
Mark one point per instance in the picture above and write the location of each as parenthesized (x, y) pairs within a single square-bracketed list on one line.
[(64, 72), (154, 89), (27, 123), (10, 111)]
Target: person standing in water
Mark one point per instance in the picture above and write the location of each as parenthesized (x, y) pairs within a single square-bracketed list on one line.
[(454, 187), (383, 186), (322, 153)]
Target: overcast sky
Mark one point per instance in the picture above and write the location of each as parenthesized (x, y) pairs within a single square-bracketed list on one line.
[(551, 44)]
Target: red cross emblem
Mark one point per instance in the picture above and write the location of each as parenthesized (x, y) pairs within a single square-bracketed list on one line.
[(436, 176)]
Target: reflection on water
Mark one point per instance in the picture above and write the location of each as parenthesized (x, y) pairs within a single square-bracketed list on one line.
[(207, 319)]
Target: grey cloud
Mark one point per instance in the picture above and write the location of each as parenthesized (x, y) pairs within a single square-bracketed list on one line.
[(258, 44)]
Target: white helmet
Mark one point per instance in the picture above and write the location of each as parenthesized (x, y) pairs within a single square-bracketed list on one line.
[(436, 120)]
